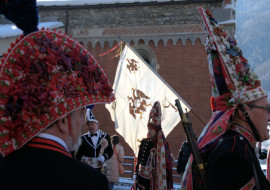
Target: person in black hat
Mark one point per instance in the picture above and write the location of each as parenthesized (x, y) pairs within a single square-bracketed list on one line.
[(96, 146)]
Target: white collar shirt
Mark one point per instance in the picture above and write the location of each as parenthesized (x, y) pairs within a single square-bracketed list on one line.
[(54, 138), (94, 138)]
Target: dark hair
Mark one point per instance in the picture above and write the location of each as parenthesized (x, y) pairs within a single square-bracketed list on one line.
[(115, 140)]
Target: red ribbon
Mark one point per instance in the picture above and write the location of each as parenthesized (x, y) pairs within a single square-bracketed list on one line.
[(110, 50), (221, 102)]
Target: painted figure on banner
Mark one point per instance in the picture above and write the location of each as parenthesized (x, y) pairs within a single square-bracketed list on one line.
[(167, 104), (138, 103), (132, 66)]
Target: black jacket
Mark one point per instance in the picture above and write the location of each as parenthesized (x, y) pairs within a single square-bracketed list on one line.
[(143, 155), (183, 156), (144, 152), (37, 168), (232, 164), (88, 149)]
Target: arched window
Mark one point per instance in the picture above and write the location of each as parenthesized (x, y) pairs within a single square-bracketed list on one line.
[(147, 54)]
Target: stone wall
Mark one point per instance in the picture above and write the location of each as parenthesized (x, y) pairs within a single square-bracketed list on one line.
[(135, 21), (123, 15)]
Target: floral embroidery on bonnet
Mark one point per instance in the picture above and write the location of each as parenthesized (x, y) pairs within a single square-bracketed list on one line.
[(44, 76)]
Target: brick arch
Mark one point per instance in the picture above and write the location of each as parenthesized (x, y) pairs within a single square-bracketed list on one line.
[(188, 42), (160, 42), (89, 46), (106, 44), (141, 41), (147, 54), (151, 43), (97, 45), (114, 43), (169, 43), (131, 42), (198, 41), (179, 42)]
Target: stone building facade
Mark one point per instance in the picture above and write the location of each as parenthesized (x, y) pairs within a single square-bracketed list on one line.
[(167, 34)]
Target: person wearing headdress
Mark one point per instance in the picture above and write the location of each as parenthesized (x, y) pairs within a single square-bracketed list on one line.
[(96, 147), (239, 120), (154, 163), (46, 80)]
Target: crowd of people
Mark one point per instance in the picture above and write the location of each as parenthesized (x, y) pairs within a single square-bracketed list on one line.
[(49, 84)]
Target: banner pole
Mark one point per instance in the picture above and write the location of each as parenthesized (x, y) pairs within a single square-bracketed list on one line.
[(197, 115)]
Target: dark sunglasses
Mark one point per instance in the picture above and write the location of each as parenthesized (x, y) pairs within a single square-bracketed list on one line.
[(266, 108)]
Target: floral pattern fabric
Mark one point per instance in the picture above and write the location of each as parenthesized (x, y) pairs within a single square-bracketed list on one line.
[(44, 76)]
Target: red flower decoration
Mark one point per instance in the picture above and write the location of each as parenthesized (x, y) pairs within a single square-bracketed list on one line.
[(48, 75)]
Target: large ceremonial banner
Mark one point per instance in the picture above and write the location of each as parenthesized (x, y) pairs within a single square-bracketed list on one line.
[(137, 86)]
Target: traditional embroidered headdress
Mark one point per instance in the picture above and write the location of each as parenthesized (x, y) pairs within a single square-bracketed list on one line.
[(233, 82), (154, 121), (44, 76)]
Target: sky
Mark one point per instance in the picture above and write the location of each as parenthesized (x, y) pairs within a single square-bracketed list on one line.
[(253, 35)]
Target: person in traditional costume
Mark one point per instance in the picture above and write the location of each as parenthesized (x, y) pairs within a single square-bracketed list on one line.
[(96, 147), (154, 163), (47, 79), (240, 117)]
